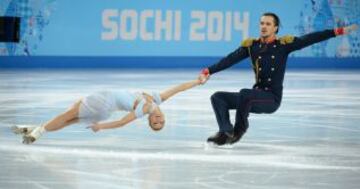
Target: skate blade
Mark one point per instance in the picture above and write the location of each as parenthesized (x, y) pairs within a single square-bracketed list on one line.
[(19, 130), (211, 145), (28, 139)]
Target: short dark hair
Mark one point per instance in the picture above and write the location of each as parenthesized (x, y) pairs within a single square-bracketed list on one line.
[(276, 19)]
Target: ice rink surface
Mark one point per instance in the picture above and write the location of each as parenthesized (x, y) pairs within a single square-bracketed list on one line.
[(312, 141)]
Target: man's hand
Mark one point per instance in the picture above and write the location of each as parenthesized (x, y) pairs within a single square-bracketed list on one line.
[(204, 76), (351, 28), (346, 30)]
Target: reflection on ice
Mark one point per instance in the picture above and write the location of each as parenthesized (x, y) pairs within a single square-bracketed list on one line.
[(312, 141)]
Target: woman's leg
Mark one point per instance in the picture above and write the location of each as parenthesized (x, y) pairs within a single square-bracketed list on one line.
[(67, 118)]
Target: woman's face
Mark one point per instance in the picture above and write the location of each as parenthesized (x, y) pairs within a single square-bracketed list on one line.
[(157, 119)]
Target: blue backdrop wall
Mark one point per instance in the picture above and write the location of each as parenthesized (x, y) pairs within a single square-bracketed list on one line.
[(176, 33)]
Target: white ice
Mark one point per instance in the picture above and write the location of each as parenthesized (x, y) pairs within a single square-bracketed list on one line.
[(311, 142)]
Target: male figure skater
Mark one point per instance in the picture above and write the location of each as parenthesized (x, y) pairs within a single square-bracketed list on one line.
[(268, 55)]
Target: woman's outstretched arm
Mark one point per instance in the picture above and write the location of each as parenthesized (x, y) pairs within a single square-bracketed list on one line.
[(114, 124), (179, 88)]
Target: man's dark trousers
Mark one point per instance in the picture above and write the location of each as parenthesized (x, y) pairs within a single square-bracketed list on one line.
[(245, 101)]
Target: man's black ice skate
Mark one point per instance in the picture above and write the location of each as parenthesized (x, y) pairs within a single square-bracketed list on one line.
[(220, 138), (237, 136)]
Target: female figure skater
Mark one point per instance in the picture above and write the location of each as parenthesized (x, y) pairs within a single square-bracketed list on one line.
[(99, 106)]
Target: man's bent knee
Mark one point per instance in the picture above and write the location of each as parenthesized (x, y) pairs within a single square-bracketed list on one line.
[(216, 95)]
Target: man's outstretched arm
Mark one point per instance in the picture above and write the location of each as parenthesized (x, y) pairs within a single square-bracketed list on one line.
[(297, 43), (234, 57)]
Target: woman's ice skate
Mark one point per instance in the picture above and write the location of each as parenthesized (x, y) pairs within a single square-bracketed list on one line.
[(33, 135), (22, 129)]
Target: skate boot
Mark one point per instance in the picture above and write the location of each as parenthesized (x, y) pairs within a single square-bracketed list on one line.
[(237, 135), (221, 138), (33, 135), (22, 129)]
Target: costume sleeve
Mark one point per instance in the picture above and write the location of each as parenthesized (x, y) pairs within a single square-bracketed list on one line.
[(231, 59), (157, 98), (139, 109), (297, 43)]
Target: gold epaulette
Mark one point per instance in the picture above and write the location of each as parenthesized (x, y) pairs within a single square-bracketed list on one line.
[(286, 39), (247, 42)]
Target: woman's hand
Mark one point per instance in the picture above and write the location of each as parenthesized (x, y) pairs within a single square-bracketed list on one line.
[(95, 127), (204, 76)]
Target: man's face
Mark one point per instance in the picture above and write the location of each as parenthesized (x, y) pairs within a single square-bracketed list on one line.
[(267, 26)]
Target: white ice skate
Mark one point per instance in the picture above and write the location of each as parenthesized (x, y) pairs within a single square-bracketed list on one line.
[(22, 129), (33, 135)]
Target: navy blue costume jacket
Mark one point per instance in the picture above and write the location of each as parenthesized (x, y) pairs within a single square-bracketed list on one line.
[(269, 59)]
